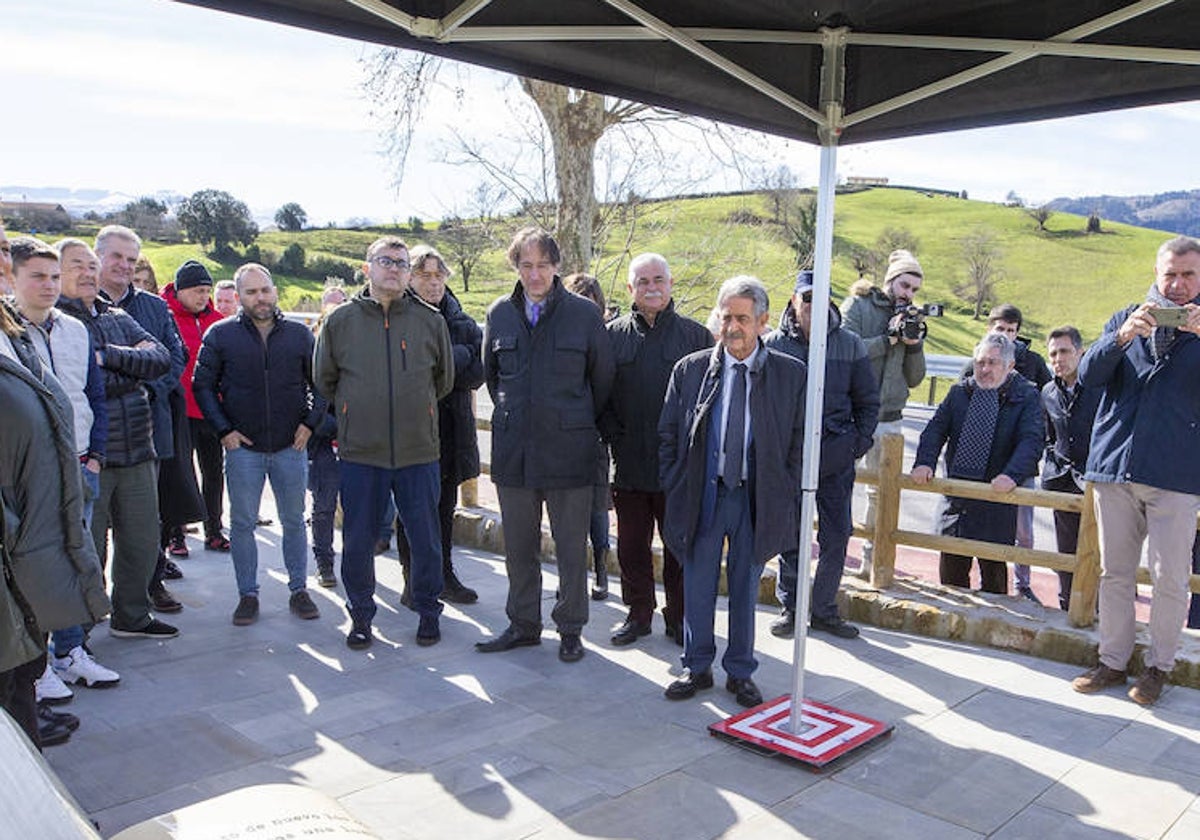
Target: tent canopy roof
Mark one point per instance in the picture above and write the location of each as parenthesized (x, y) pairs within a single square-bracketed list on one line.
[(903, 68)]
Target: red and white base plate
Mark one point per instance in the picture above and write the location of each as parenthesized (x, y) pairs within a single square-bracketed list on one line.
[(831, 732)]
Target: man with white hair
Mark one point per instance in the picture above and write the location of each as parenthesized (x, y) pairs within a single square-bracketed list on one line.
[(646, 344), (731, 441)]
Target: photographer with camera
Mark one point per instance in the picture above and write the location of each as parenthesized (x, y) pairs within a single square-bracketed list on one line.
[(893, 329)]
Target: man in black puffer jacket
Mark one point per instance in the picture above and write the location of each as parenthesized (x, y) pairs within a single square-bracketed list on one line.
[(130, 357), (253, 381), (118, 249)]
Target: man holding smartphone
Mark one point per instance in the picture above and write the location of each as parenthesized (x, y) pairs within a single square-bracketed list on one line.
[(1146, 467)]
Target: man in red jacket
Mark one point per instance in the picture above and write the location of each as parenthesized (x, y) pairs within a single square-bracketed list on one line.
[(190, 301)]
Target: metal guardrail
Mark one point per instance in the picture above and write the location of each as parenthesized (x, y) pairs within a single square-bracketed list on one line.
[(938, 366)]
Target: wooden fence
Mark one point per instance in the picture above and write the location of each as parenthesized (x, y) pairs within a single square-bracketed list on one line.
[(891, 479)]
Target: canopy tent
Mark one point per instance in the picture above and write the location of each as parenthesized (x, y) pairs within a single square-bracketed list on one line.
[(824, 71), (908, 68)]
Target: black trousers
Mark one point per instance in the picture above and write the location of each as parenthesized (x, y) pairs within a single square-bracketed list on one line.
[(19, 698), (956, 571), (211, 458)]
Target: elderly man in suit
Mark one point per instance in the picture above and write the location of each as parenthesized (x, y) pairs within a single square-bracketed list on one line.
[(731, 440)]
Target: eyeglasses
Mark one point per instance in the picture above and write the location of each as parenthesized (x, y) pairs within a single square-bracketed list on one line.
[(806, 297), (389, 262)]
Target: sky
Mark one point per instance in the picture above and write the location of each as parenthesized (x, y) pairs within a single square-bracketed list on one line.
[(142, 96)]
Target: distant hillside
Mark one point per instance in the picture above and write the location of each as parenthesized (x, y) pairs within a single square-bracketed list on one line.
[(1175, 212), (1058, 275)]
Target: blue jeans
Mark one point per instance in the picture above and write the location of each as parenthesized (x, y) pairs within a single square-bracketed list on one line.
[(365, 491), (701, 572), (69, 638), (245, 473)]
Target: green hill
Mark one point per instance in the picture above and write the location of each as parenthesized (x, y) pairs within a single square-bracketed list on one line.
[(1060, 275)]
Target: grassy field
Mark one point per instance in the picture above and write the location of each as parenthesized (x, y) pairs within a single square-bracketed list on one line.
[(1057, 276)]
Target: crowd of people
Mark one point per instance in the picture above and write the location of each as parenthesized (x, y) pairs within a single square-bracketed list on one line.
[(116, 390)]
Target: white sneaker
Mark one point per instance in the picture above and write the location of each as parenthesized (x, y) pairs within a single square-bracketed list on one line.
[(50, 689), (79, 667)]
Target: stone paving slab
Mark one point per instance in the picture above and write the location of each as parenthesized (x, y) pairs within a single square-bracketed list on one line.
[(445, 742)]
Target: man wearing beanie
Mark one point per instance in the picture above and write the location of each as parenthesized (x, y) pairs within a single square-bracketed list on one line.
[(190, 301), (898, 363)]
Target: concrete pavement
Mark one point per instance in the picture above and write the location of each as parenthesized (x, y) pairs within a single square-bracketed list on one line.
[(446, 742)]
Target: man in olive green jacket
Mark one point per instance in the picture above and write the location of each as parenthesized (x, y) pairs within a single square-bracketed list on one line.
[(384, 359)]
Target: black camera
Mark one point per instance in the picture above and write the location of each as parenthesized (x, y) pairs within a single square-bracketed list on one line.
[(910, 322)]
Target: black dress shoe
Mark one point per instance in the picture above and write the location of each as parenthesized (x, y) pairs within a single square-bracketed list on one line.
[(52, 734), (745, 691), (630, 632), (837, 625), (507, 640), (688, 684), (570, 649), (47, 716)]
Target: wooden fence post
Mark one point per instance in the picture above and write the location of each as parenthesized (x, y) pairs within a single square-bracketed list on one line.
[(887, 511), (1086, 583)]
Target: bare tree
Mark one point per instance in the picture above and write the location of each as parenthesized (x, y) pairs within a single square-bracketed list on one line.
[(1040, 214), (982, 254), (466, 240), (559, 189), (780, 186)]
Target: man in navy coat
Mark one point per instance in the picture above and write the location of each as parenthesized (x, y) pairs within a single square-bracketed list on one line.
[(731, 441)]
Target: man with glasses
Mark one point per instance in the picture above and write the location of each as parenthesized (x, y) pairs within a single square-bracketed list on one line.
[(848, 423), (990, 426), (387, 412)]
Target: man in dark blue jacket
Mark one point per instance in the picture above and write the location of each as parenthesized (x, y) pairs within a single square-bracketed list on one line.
[(253, 381), (730, 447), (991, 428), (1145, 465), (1070, 411), (850, 413), (118, 248)]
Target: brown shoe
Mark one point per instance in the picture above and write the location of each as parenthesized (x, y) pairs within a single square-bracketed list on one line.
[(164, 601), (1148, 687), (1097, 679)]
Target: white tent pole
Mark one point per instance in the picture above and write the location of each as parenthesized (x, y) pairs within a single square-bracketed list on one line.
[(813, 413), (833, 70)]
